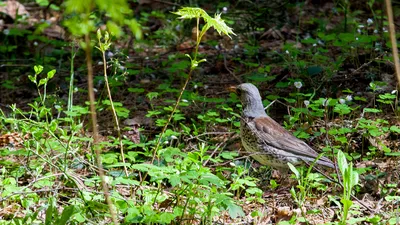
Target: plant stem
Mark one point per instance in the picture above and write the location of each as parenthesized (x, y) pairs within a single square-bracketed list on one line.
[(89, 64), (121, 146)]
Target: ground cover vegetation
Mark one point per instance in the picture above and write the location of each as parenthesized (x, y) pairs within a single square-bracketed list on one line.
[(118, 112)]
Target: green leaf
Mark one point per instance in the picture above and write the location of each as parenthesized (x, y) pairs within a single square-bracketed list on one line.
[(290, 100), (396, 154), (98, 33), (49, 212), (309, 41), (174, 180), (235, 211), (342, 109), (219, 24), (126, 181), (66, 215), (50, 74), (228, 155), (281, 84), (371, 110), (32, 78), (135, 28), (38, 69), (152, 95), (294, 170), (166, 217), (136, 90), (347, 37), (342, 162), (354, 176), (375, 132), (190, 13), (114, 29), (42, 81), (208, 178)]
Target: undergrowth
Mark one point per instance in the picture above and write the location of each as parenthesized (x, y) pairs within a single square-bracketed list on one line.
[(63, 172)]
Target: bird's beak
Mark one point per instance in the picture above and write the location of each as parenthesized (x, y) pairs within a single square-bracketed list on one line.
[(232, 89)]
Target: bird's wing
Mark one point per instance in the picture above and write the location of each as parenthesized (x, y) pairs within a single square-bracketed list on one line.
[(273, 134)]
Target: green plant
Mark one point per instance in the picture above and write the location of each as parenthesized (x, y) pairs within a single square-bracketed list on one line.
[(219, 25), (42, 82), (350, 179), (306, 181)]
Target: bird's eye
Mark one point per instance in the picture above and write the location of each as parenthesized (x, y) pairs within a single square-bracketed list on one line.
[(238, 91)]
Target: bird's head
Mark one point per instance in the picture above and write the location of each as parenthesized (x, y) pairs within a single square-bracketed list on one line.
[(250, 98)]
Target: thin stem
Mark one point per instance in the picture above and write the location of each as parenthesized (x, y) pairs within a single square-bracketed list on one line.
[(71, 81), (171, 115), (89, 64), (181, 93), (115, 116)]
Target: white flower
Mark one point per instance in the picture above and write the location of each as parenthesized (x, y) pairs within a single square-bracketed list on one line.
[(146, 58), (298, 84), (178, 27), (195, 86), (359, 31), (394, 92), (360, 26), (110, 54), (384, 30), (356, 38), (35, 43), (375, 31), (349, 98), (306, 102), (287, 52), (225, 9), (342, 101), (369, 21), (6, 31), (232, 164), (216, 47), (184, 100), (99, 63), (325, 102), (314, 45), (173, 137), (166, 142), (121, 67)]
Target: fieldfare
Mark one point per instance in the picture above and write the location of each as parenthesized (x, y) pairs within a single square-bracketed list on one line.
[(269, 143)]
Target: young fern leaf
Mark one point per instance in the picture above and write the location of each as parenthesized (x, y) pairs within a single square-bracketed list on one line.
[(190, 13), (217, 22)]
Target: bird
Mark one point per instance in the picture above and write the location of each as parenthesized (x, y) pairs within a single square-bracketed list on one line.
[(270, 143)]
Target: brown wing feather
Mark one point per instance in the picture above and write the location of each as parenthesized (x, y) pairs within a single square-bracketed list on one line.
[(277, 136)]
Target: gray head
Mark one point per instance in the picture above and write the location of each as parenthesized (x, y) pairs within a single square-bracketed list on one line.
[(251, 100)]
